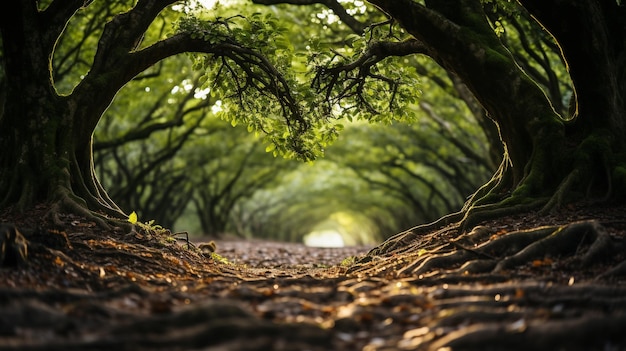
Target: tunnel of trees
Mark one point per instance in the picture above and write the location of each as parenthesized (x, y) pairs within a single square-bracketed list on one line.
[(532, 91)]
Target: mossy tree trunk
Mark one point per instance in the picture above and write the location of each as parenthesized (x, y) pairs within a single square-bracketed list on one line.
[(45, 137), (548, 157)]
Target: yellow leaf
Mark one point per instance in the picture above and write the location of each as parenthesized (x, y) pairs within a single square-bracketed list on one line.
[(132, 218)]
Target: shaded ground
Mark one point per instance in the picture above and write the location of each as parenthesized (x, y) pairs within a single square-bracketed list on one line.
[(86, 289), (259, 253)]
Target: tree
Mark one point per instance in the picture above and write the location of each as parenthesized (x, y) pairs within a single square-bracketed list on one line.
[(48, 122), (431, 166), (548, 156), (139, 139), (228, 174)]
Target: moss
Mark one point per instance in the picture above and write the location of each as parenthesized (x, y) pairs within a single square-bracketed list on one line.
[(348, 261), (594, 154), (219, 258)]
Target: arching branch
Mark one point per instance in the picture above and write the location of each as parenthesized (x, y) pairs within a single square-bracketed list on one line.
[(334, 5), (347, 80)]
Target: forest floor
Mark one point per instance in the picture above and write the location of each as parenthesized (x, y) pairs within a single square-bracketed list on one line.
[(83, 288)]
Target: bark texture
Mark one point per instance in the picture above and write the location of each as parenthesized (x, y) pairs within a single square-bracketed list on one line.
[(548, 157)]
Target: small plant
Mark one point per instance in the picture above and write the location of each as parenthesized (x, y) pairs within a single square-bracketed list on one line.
[(148, 226), (348, 261), (219, 258), (132, 217), (155, 230)]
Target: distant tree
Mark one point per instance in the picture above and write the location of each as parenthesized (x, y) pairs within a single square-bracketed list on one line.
[(141, 135), (431, 166), (229, 172)]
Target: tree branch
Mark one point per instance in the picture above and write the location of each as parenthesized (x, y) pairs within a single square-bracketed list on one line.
[(358, 71), (55, 17), (122, 34), (334, 5), (591, 41), (145, 128), (130, 64)]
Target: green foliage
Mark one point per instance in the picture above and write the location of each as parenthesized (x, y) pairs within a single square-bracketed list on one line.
[(348, 261), (269, 97), (149, 226), (264, 96), (219, 258), (374, 90)]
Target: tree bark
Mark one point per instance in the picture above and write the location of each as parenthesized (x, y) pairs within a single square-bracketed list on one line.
[(544, 153), (593, 44)]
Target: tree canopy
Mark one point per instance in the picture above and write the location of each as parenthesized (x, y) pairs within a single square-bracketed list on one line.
[(397, 214)]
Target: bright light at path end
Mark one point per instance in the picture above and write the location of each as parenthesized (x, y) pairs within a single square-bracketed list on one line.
[(326, 238)]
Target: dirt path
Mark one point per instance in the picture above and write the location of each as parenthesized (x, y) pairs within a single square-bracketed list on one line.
[(92, 290), (261, 253)]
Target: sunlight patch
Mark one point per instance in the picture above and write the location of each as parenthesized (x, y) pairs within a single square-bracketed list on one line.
[(208, 4), (325, 238)]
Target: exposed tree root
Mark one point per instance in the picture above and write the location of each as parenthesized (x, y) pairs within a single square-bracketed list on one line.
[(511, 206), (583, 333), (558, 199), (97, 290), (211, 323), (405, 240), (470, 253), (462, 221), (618, 270), (13, 246), (563, 241), (437, 250), (98, 213), (47, 233)]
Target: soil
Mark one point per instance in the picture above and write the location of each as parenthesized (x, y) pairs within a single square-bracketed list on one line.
[(86, 288)]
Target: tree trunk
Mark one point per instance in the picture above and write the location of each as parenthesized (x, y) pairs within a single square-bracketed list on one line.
[(546, 157), (45, 138), (47, 155), (593, 45), (50, 160)]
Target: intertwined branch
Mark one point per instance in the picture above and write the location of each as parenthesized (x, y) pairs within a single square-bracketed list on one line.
[(347, 80)]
